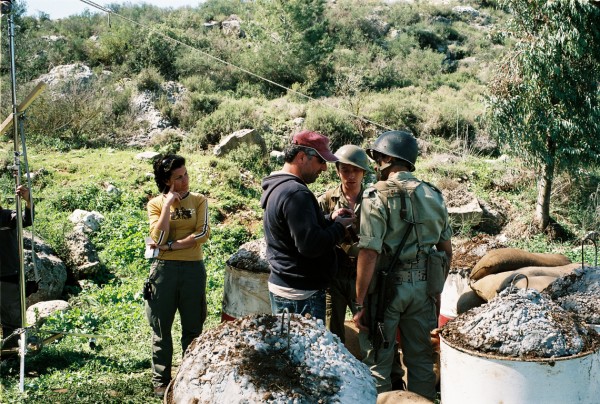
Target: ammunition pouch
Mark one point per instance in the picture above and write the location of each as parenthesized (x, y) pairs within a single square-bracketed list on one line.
[(437, 270)]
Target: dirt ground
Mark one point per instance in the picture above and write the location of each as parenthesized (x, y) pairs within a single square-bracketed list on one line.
[(467, 252)]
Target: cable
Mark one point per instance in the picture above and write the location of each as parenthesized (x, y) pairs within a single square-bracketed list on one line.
[(106, 10), (348, 113)]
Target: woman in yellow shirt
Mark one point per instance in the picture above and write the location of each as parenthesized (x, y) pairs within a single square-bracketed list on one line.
[(177, 281)]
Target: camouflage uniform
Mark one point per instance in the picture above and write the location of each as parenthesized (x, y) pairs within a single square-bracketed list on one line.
[(342, 291), (410, 308)]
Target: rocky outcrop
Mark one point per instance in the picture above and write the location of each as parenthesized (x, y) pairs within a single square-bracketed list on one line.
[(83, 258), (241, 137), (51, 269)]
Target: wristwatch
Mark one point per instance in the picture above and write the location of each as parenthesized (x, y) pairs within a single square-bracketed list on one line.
[(170, 245), (359, 307)]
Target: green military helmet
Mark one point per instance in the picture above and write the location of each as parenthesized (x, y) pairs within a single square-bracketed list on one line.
[(354, 155), (396, 143)]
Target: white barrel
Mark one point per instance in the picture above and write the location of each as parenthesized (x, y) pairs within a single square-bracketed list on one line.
[(471, 377), (245, 292), (456, 284)]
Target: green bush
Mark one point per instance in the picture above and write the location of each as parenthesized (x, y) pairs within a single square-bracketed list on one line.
[(86, 197), (149, 79), (252, 159), (167, 142), (336, 126), (199, 84), (230, 116)]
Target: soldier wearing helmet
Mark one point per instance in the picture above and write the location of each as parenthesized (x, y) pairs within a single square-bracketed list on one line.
[(351, 167), (405, 232)]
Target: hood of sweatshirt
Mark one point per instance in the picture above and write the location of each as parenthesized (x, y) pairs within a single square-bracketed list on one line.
[(272, 181)]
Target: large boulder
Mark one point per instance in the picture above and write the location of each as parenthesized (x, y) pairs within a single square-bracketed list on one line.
[(51, 269), (82, 255), (245, 137), (39, 312)]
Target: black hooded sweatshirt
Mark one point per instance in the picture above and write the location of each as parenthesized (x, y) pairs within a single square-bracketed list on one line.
[(300, 241)]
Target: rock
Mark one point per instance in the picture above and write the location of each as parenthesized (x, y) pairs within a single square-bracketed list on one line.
[(78, 73), (82, 256), (90, 220), (51, 269), (298, 122), (379, 27), (112, 190), (241, 137), (232, 26), (277, 156), (467, 215), (470, 11), (39, 312)]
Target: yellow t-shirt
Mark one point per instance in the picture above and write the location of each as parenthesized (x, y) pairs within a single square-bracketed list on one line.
[(189, 216)]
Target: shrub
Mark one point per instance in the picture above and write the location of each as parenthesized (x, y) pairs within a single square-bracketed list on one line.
[(87, 197), (199, 84), (149, 79), (251, 159), (231, 115), (167, 142), (336, 126)]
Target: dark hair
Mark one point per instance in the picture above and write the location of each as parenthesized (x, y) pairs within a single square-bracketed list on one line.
[(292, 150), (402, 163), (163, 167)]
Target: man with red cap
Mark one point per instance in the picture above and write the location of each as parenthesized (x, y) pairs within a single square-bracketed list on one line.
[(300, 241)]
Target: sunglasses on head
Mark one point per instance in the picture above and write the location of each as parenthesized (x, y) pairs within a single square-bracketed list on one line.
[(313, 153), (167, 163)]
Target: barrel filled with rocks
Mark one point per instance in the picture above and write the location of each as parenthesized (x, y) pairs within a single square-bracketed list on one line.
[(245, 289), (520, 347), (271, 359)]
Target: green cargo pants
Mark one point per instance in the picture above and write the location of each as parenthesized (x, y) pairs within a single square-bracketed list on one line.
[(413, 312), (176, 286), (340, 295)]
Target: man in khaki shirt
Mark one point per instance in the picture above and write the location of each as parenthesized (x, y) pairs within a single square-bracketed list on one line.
[(388, 207)]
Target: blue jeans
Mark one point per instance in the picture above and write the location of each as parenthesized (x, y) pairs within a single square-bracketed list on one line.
[(314, 305)]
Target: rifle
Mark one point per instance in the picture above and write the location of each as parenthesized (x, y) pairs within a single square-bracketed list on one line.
[(376, 331)]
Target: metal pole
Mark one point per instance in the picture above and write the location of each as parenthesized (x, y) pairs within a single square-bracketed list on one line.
[(17, 170)]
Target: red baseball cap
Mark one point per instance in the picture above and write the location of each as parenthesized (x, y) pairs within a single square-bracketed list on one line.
[(317, 142)]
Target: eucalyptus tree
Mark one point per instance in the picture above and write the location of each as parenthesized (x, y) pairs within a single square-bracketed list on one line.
[(544, 100)]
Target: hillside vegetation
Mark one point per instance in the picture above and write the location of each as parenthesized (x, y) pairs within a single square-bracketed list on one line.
[(417, 66)]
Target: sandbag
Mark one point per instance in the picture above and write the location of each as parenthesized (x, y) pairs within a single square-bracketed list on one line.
[(401, 397), (352, 344), (467, 301), (509, 259), (538, 278)]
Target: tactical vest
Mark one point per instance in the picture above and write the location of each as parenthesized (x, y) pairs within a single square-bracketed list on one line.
[(405, 190)]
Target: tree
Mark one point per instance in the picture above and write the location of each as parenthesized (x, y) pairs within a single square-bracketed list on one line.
[(544, 100), (289, 41)]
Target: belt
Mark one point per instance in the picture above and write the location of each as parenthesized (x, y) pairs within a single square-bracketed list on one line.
[(415, 275), (410, 265)]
